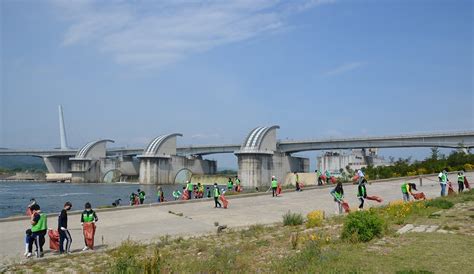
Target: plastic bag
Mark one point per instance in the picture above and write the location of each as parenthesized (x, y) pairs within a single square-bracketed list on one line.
[(374, 198), (89, 233), (225, 203), (346, 207), (419, 196), (53, 239)]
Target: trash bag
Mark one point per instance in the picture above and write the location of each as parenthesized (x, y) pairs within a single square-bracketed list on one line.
[(451, 189), (374, 198), (89, 233), (239, 188), (301, 185), (136, 201), (419, 196), (346, 207), (333, 180), (53, 239), (278, 189), (185, 195), (466, 183), (225, 203), (323, 177), (355, 178)]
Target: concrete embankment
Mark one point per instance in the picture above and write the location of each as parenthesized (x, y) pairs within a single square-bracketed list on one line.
[(148, 223)]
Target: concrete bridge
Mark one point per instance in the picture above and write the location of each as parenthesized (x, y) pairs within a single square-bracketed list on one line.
[(259, 156)]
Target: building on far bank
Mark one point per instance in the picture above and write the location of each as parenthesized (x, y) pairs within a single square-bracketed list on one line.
[(334, 161)]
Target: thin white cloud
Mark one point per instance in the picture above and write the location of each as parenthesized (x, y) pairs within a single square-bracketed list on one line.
[(154, 34), (344, 68)]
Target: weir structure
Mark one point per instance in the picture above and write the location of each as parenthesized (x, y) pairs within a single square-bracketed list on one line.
[(259, 157)]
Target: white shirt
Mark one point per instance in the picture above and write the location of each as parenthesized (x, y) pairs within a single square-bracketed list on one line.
[(360, 173)]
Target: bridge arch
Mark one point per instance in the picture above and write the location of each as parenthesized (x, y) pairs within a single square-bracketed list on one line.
[(162, 145), (260, 139), (87, 151)]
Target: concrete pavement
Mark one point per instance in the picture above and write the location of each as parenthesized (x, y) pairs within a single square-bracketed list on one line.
[(149, 223)]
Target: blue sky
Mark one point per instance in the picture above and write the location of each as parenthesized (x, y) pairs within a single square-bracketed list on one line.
[(213, 70)]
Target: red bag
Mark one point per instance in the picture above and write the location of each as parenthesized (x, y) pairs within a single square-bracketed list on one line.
[(333, 179), (355, 178), (53, 239), (185, 195), (89, 233), (278, 189), (419, 196), (301, 185), (374, 198), (466, 183), (346, 207), (323, 177), (450, 189), (225, 203), (136, 201)]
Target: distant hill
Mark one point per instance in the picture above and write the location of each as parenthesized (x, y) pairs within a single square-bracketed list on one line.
[(22, 163)]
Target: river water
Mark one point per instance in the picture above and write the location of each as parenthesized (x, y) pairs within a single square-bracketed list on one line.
[(15, 196)]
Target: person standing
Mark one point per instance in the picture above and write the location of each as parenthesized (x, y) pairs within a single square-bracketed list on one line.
[(237, 184), (160, 195), (208, 192), (460, 182), (88, 220), (39, 227), (338, 194), (443, 181), (63, 231), (141, 195), (189, 188), (274, 187), (318, 175), (297, 182), (230, 184), (216, 196), (362, 193)]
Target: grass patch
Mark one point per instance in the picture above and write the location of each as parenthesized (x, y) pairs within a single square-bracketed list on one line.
[(439, 203), (292, 219)]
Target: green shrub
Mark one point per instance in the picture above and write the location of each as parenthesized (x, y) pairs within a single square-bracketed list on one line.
[(292, 219), (362, 226), (439, 203)]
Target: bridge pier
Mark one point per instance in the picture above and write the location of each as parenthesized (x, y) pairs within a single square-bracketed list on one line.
[(259, 159), (57, 164), (257, 169)]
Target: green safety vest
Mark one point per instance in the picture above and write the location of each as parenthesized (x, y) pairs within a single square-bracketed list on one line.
[(237, 181), (461, 178), (41, 225), (328, 174), (87, 218), (189, 186), (132, 197), (141, 195), (216, 192), (158, 193), (318, 173), (274, 183), (361, 191), (444, 178), (337, 195), (297, 178), (405, 188), (229, 184), (176, 194)]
